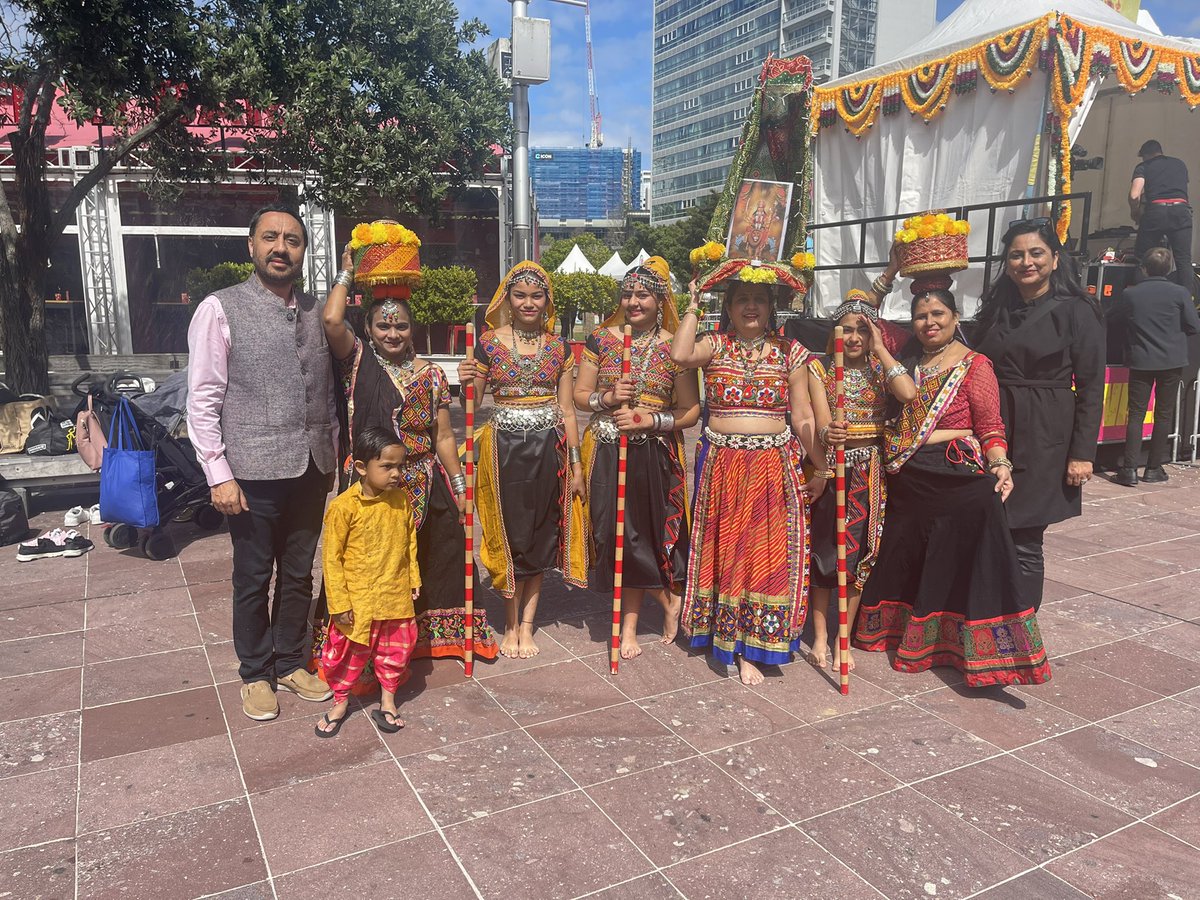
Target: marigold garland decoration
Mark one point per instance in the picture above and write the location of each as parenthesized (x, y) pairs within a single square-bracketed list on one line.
[(758, 275), (804, 261), (929, 225), (367, 234), (386, 253)]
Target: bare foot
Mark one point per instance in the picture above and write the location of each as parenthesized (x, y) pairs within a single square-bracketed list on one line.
[(630, 647), (837, 660), (333, 719), (748, 672), (671, 619), (818, 657), (510, 645), (527, 648)]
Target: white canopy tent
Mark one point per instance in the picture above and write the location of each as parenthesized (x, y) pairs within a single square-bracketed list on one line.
[(902, 137), (615, 267), (575, 262), (641, 257)]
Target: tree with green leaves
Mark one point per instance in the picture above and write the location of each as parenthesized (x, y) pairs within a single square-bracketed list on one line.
[(596, 251), (357, 95), (585, 291), (445, 296)]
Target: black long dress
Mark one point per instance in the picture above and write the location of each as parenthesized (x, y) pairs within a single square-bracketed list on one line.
[(1039, 351)]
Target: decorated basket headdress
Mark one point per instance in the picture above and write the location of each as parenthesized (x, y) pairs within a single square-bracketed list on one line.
[(386, 258), (932, 242), (499, 311)]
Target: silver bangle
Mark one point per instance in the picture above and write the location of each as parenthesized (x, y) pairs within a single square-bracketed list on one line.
[(595, 401), (822, 434), (573, 455), (881, 286), (895, 372), (458, 483), (345, 278), (666, 421)]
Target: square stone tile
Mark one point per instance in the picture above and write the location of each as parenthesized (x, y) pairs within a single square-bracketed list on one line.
[(907, 846), (1038, 883), (40, 654), (648, 887), (111, 642), (477, 778), (802, 773), (427, 674), (1024, 808), (34, 621), (188, 854), (132, 609), (579, 635), (1177, 595), (153, 722), (44, 592), (46, 742), (1086, 692), (609, 743), (1138, 862), (1168, 726), (812, 695), (1181, 820), (200, 571), (999, 716), (145, 676), (906, 742), (25, 696), (1112, 616), (684, 809), (1181, 640), (551, 692), (577, 849), (1180, 552), (47, 871), (224, 661), (134, 577), (418, 867), (1110, 571), (446, 716), (289, 752), (876, 668), (1064, 635), (290, 707), (1055, 590), (782, 865), (149, 783), (371, 805), (659, 669), (1124, 773), (37, 808), (713, 716), (1133, 661)]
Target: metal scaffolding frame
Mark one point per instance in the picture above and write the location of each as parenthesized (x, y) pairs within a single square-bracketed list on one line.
[(106, 292), (322, 256)]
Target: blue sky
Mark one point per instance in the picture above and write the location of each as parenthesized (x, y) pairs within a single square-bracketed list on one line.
[(621, 39)]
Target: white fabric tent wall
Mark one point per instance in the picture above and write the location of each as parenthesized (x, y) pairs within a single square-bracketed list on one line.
[(575, 262), (637, 260), (615, 267)]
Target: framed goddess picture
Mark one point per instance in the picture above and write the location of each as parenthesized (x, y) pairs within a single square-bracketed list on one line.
[(759, 220)]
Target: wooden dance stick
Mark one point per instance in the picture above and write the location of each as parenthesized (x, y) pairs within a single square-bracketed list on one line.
[(839, 416), (614, 655), (469, 526)]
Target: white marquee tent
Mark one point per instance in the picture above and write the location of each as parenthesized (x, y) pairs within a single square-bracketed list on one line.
[(615, 267), (956, 122), (575, 262)]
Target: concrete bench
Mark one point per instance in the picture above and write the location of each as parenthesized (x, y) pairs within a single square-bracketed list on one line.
[(38, 474)]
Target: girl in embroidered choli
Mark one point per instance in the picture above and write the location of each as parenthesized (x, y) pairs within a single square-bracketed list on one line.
[(747, 586), (386, 384), (663, 400), (870, 375), (530, 482)]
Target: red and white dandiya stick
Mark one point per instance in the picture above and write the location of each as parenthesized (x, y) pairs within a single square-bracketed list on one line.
[(622, 450), (469, 525), (839, 416)]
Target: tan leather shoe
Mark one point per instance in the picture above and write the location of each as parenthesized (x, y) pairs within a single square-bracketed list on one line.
[(258, 701), (304, 685)]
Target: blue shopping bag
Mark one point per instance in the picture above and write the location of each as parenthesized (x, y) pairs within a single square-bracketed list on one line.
[(128, 492)]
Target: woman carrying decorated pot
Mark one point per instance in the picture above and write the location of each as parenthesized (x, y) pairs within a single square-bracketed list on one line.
[(1045, 336), (871, 375), (653, 406), (946, 587), (386, 384), (747, 586), (530, 482)]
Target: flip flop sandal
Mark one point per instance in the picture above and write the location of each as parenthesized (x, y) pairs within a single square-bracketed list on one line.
[(380, 718), (336, 723)]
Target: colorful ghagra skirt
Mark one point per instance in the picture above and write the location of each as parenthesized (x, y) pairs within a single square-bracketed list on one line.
[(531, 521), (866, 496), (946, 589), (655, 554), (747, 586)]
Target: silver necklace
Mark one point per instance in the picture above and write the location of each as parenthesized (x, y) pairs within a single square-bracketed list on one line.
[(644, 345)]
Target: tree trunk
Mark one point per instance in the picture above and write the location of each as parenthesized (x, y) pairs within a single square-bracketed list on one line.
[(26, 362)]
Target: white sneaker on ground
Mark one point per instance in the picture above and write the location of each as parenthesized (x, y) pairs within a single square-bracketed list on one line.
[(76, 515), (94, 515)]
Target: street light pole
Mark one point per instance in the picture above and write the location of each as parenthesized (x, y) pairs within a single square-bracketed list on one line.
[(522, 226)]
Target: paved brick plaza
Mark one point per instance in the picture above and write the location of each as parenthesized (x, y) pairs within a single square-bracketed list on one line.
[(127, 768)]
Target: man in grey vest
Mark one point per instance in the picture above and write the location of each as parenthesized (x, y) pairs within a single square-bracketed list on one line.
[(261, 416)]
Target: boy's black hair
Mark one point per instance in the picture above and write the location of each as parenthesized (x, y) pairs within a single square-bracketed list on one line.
[(278, 208), (370, 442)]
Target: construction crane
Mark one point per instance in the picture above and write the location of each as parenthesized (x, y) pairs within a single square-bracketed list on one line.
[(597, 139)]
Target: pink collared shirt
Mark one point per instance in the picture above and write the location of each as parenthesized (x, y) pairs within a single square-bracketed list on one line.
[(208, 378)]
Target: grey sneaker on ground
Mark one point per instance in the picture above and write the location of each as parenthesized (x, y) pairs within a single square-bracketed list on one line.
[(258, 701), (304, 685)]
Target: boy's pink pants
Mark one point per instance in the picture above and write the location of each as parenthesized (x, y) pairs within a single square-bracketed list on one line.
[(391, 646)]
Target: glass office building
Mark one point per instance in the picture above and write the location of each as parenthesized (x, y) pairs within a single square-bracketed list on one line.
[(585, 187), (707, 57)]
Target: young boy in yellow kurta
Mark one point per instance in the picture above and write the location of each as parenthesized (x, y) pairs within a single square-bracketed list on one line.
[(371, 581)]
